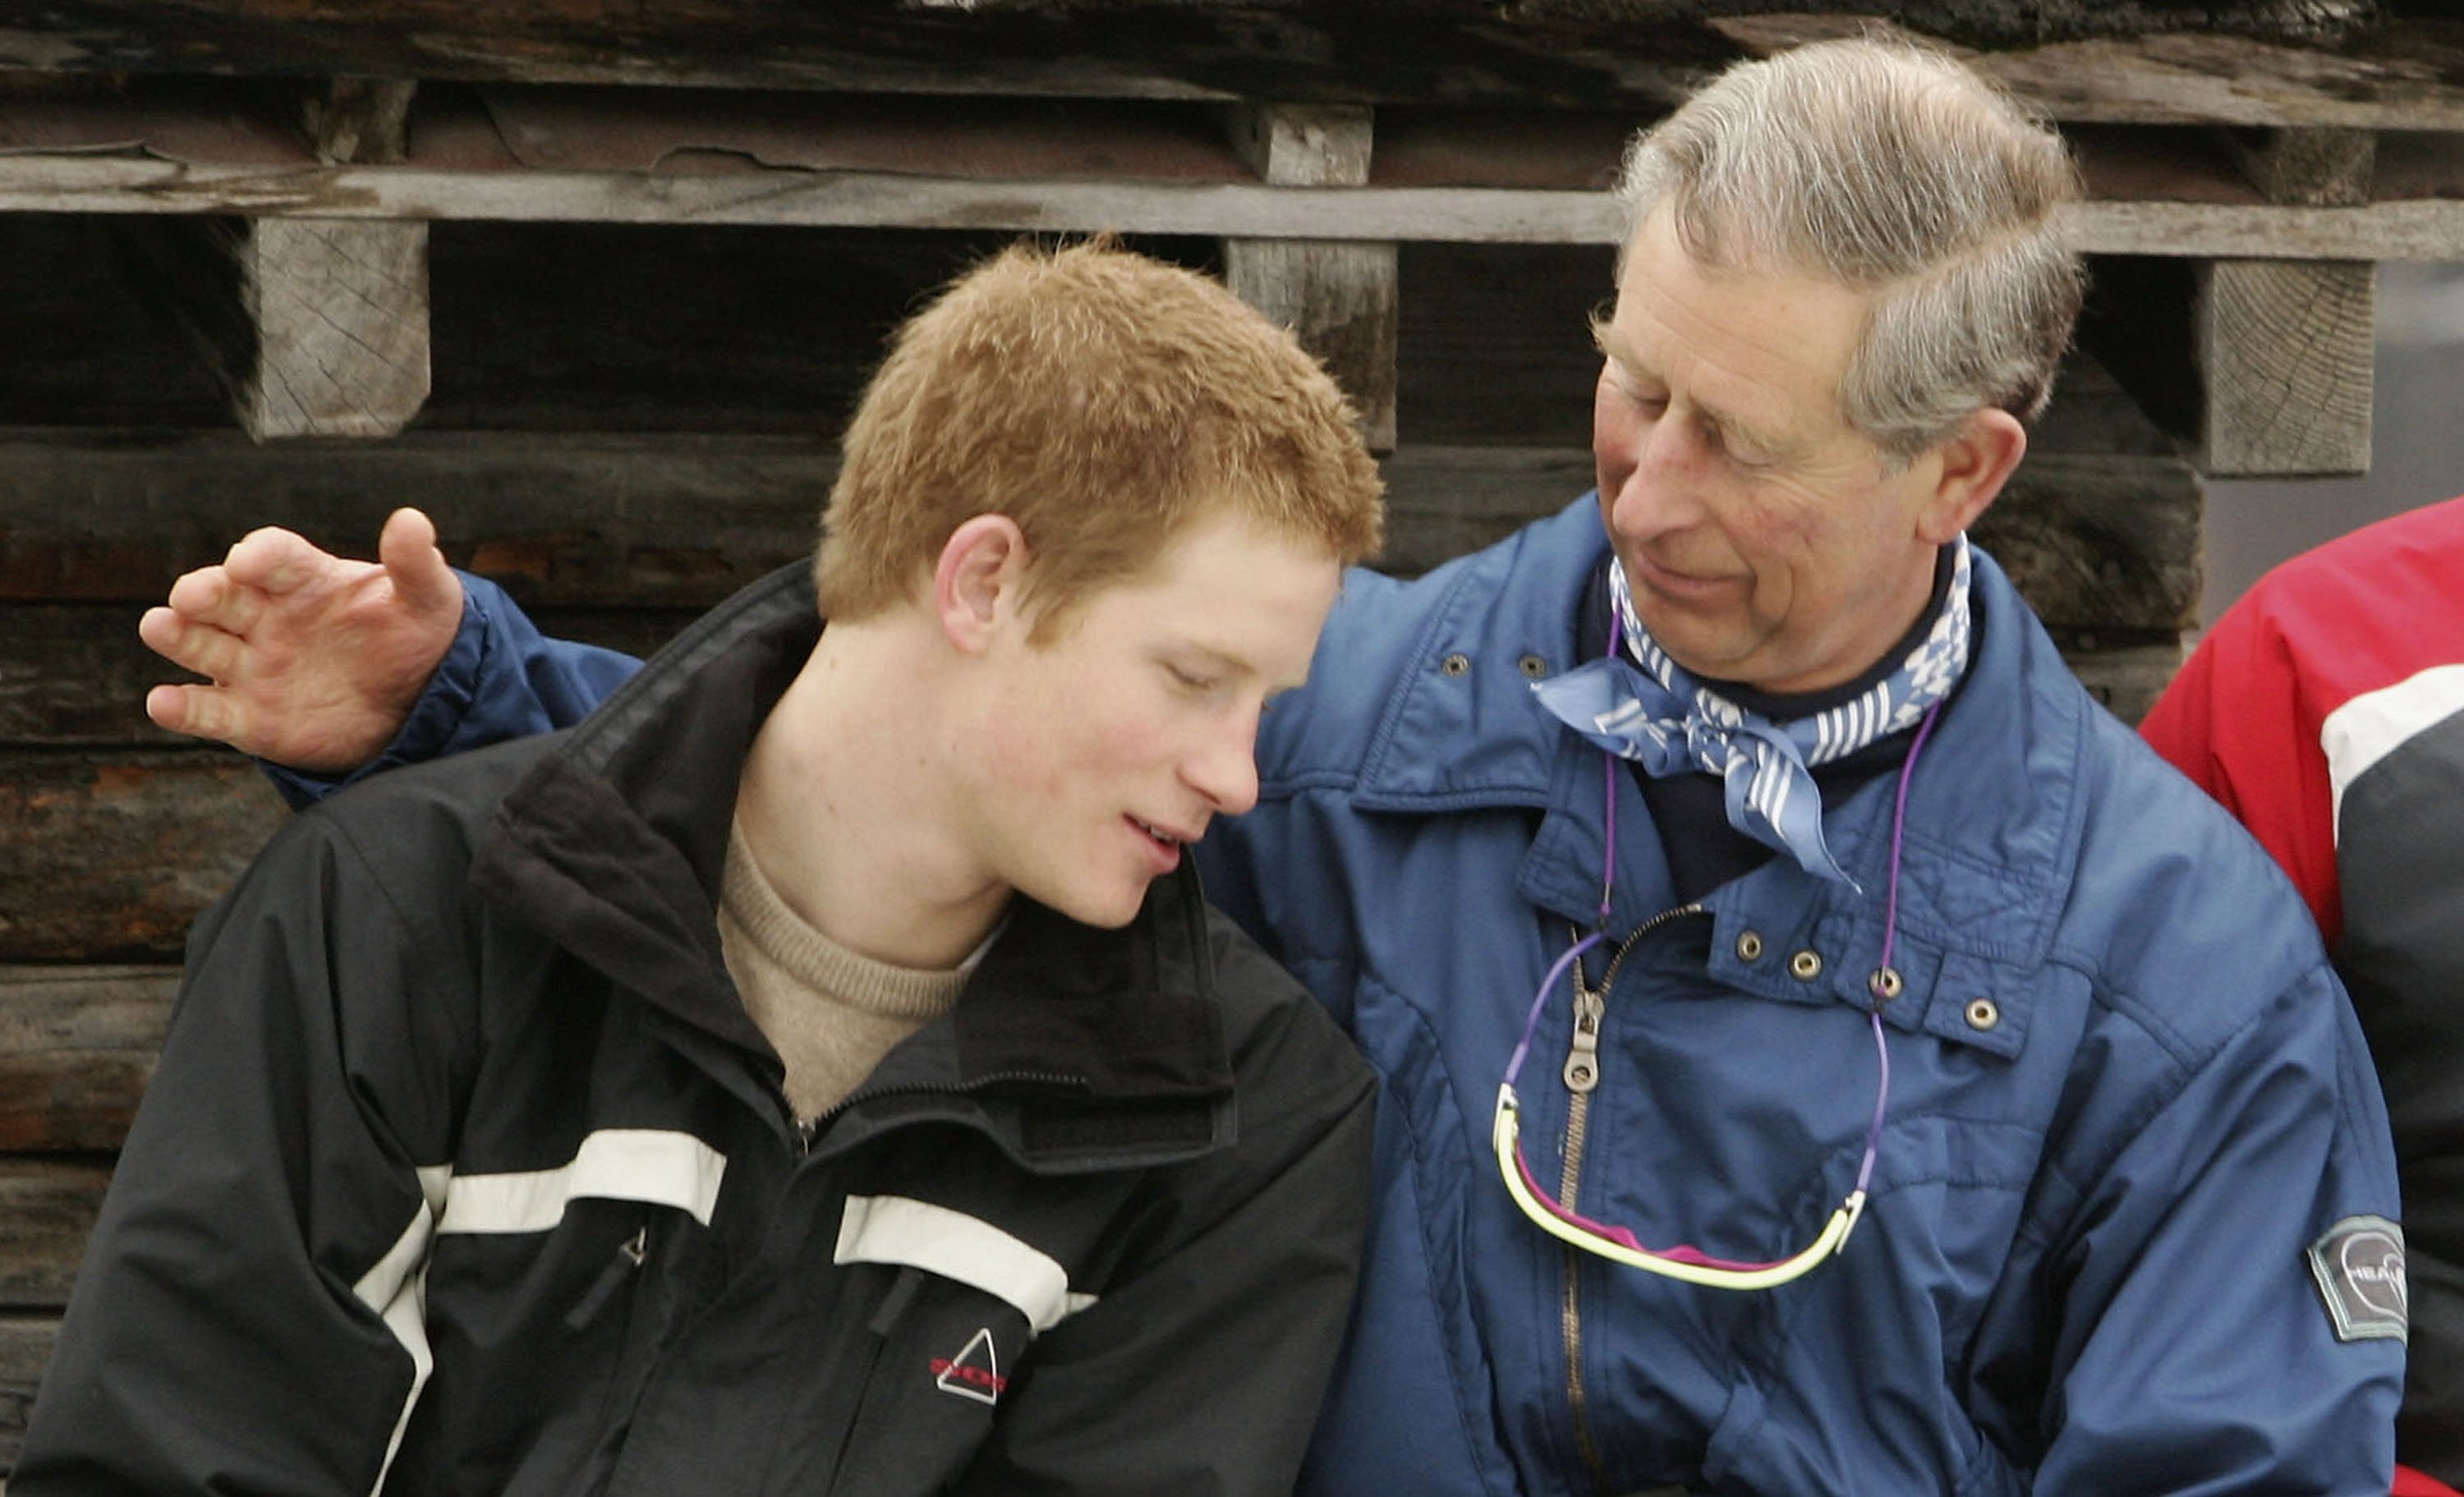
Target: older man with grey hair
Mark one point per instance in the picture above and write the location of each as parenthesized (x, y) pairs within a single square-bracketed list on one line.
[(1823, 1052)]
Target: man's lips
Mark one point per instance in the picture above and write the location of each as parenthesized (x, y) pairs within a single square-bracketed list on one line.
[(1645, 572)]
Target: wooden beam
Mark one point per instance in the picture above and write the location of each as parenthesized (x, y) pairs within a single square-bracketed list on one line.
[(341, 322), (76, 1046), (615, 521), (2307, 168), (110, 856), (1636, 54), (25, 1349), (1340, 297), (47, 1211), (2102, 542), (2285, 349), (2421, 229), (681, 522), (360, 120), (318, 327)]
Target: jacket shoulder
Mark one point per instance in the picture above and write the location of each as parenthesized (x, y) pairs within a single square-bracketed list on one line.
[(418, 829), (1511, 599), (1286, 1051), (2177, 899)]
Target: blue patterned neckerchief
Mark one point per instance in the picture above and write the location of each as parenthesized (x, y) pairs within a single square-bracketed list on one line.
[(1665, 720)]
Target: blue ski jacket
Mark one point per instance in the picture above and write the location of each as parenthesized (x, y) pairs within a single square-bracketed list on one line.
[(2132, 1227)]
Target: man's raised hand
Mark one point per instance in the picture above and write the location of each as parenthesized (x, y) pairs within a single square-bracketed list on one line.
[(315, 660)]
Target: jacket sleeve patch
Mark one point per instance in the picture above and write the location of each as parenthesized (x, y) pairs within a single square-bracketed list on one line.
[(2359, 1264)]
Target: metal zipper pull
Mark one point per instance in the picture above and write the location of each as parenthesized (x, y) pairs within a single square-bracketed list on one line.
[(628, 1260), (1583, 1058)]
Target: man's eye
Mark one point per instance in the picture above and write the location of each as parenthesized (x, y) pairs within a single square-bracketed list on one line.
[(1740, 451)]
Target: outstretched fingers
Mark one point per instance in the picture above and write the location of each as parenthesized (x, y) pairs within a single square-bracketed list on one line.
[(204, 712), (204, 641), (276, 561)]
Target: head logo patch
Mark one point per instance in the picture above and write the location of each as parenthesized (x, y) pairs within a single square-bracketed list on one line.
[(2359, 1264), (975, 1373)]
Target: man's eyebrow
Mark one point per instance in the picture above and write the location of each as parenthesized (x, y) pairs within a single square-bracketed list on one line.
[(1613, 345)]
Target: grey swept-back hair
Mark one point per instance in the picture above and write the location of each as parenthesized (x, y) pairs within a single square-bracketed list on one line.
[(1895, 169)]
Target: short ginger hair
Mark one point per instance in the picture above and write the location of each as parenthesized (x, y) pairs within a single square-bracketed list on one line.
[(1102, 400)]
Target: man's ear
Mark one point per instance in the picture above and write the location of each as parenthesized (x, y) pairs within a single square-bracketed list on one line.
[(979, 583), (1975, 462)]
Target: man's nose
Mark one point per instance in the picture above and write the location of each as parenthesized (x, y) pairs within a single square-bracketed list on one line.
[(1223, 766), (1660, 480)]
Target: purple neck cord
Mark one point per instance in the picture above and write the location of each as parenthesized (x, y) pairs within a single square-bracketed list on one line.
[(1891, 920)]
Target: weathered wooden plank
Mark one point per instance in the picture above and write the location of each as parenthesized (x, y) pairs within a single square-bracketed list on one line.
[(602, 522), (25, 1348), (1635, 52), (359, 118), (2286, 351), (672, 522), (1304, 145), (1339, 299), (110, 856), (2098, 541), (2427, 229), (78, 1046), (2311, 168), (1457, 176), (47, 1211), (318, 327), (75, 675), (341, 326)]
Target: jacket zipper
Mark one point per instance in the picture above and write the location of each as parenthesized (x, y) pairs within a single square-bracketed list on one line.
[(1582, 1075), (630, 1254)]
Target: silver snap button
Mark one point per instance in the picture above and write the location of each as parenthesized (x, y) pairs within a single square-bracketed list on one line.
[(1983, 1013), (1885, 983), (1533, 666), (1805, 966), (1749, 945), (1455, 664)]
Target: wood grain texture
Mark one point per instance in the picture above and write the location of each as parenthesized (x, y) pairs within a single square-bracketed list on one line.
[(2299, 61), (47, 1211), (341, 309), (2286, 351), (76, 1046), (110, 856), (25, 1347)]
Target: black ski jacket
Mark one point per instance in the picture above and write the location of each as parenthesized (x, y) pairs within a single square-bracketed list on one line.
[(465, 1170)]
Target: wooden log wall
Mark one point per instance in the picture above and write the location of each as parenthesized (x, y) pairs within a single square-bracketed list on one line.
[(606, 337), (117, 835)]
